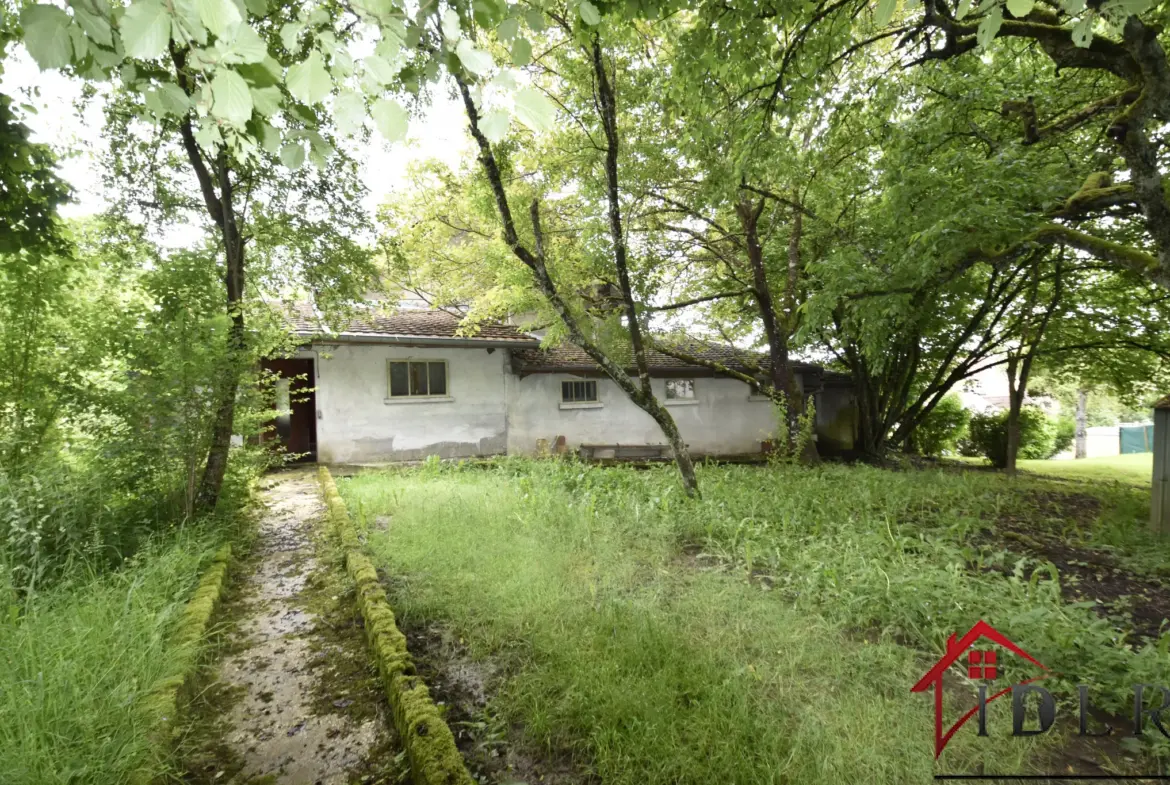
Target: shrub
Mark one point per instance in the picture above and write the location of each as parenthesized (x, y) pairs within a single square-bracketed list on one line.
[(1066, 433), (941, 430), (988, 436), (1037, 434), (788, 447)]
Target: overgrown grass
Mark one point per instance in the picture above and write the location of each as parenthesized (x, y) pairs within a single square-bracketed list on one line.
[(82, 656), (1136, 469), (791, 663)]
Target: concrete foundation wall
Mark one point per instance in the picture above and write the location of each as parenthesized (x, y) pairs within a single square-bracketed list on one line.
[(356, 421), (720, 420)]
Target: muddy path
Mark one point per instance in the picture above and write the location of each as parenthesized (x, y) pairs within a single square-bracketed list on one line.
[(292, 697)]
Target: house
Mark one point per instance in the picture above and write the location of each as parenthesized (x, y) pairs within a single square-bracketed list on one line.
[(409, 384)]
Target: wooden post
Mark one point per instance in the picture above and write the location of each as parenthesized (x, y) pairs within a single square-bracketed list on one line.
[(1160, 487)]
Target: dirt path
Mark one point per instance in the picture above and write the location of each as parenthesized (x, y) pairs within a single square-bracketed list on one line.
[(294, 699)]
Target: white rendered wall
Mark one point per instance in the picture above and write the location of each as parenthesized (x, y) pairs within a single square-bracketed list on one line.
[(356, 424), (721, 420)]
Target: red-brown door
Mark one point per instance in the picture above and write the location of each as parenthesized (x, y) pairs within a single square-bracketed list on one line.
[(296, 400)]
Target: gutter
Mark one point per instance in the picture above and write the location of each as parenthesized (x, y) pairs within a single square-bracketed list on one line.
[(422, 340)]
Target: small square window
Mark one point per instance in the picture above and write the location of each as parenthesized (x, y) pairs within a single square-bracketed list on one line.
[(680, 389), (578, 392)]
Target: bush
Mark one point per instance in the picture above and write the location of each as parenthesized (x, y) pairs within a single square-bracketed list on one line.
[(988, 436), (941, 430), (1037, 434), (1066, 434)]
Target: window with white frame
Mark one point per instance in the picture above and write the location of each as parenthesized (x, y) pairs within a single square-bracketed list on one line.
[(417, 378), (578, 392), (680, 389)]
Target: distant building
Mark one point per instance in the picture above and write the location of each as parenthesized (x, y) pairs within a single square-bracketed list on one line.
[(988, 391)]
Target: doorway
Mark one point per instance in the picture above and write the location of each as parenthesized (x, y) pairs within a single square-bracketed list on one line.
[(296, 399)]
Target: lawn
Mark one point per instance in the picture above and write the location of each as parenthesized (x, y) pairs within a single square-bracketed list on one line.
[(767, 633), (1135, 469)]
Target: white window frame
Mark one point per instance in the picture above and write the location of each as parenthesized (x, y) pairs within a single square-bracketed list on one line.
[(429, 397), (595, 403), (689, 401)]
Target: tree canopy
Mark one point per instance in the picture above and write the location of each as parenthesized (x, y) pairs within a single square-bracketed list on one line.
[(911, 192)]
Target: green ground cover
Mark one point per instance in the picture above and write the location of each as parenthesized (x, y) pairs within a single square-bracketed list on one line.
[(768, 633), (79, 659), (1135, 469)]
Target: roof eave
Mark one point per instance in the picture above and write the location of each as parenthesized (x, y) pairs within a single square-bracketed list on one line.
[(688, 371), (421, 340)]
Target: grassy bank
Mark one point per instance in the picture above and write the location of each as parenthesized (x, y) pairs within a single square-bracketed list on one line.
[(81, 658), (769, 633)]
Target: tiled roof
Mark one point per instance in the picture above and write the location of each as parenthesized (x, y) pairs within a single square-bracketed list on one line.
[(400, 324), (568, 356)]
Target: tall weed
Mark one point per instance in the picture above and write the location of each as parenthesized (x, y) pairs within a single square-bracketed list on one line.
[(80, 659)]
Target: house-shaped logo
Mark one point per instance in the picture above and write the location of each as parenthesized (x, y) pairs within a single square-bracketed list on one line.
[(981, 665)]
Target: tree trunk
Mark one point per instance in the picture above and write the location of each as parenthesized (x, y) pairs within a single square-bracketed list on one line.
[(780, 371), (1021, 362), (534, 260), (682, 456), (607, 103), (221, 208), (1082, 432), (1015, 403), (229, 381), (779, 375)]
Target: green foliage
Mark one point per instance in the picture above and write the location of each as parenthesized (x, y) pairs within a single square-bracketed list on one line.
[(1064, 434), (106, 397), (942, 429), (587, 587), (794, 435), (1112, 397), (32, 189), (80, 661), (989, 436), (250, 80)]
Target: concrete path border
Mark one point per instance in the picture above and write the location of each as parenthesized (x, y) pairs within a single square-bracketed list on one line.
[(430, 745)]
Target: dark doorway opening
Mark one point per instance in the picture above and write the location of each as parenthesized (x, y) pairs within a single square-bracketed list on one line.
[(296, 399)]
